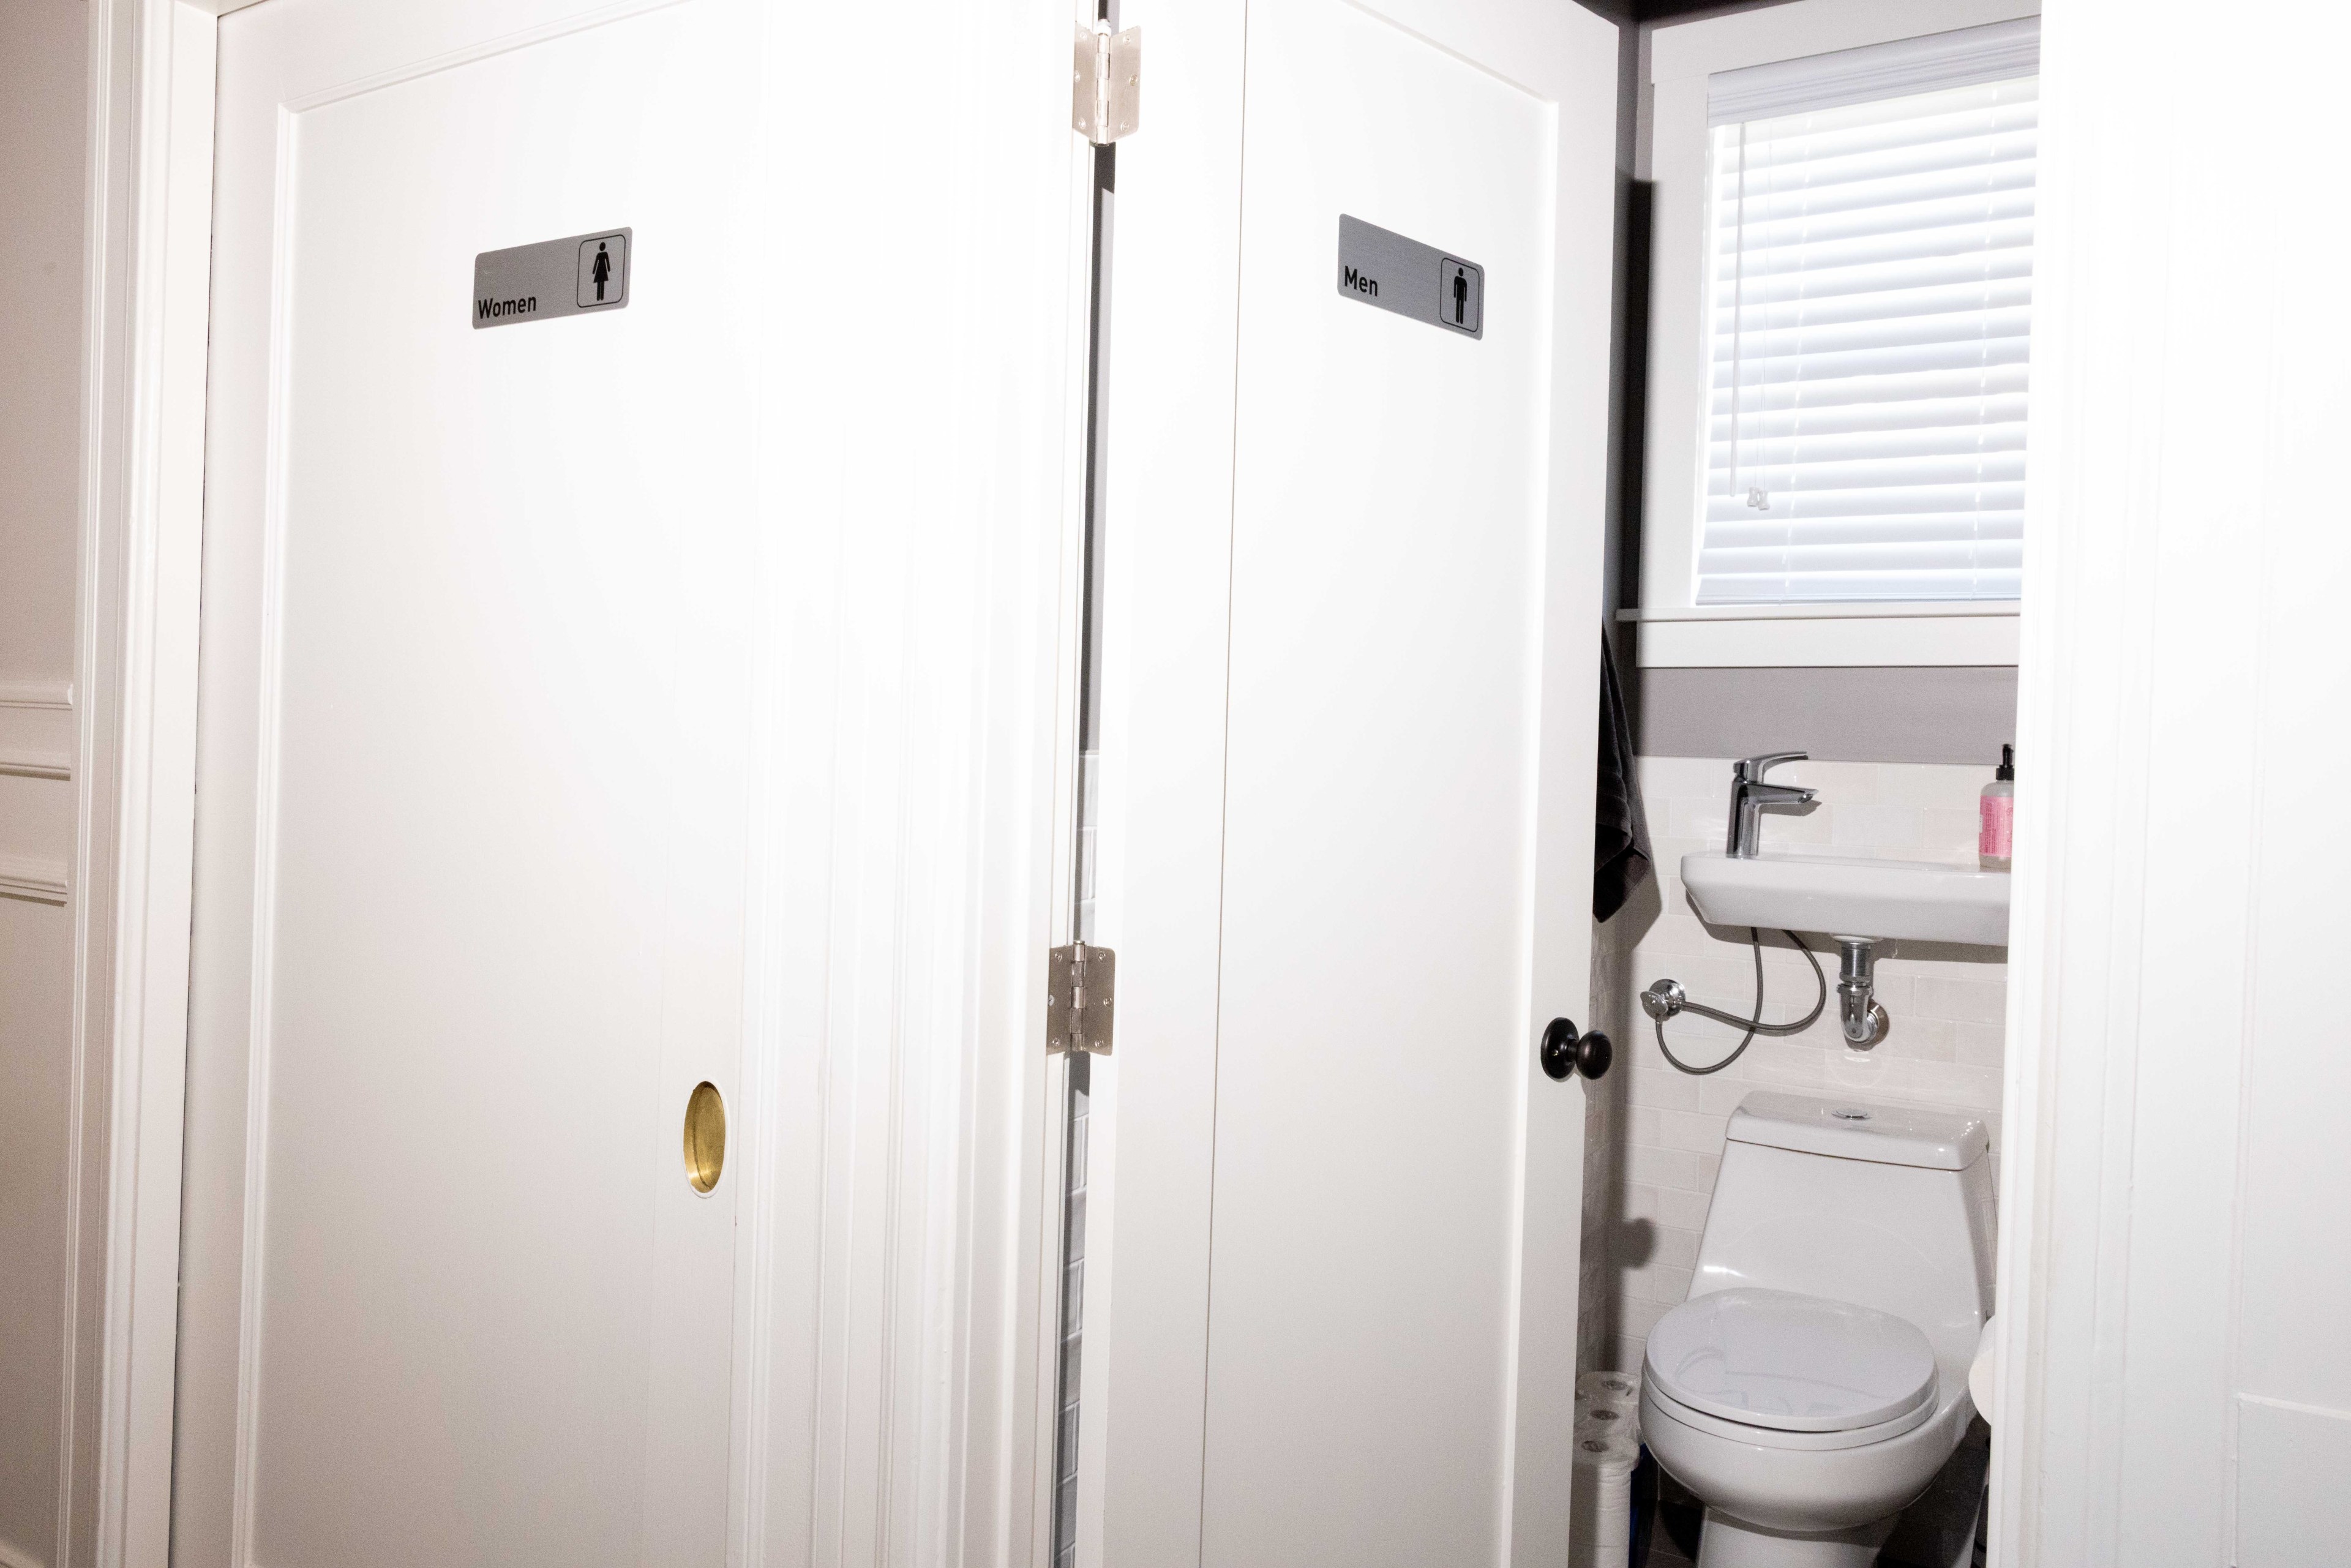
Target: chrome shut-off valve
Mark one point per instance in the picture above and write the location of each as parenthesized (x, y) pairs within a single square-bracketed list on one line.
[(1664, 999)]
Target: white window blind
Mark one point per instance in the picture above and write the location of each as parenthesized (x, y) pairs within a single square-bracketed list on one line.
[(1871, 303)]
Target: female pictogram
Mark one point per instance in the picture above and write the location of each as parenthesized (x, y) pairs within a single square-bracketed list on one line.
[(604, 270)]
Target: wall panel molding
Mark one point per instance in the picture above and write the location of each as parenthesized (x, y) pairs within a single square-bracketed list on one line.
[(37, 882), (26, 693)]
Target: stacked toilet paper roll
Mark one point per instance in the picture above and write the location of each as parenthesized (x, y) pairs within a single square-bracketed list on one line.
[(1608, 1390), (1607, 1449)]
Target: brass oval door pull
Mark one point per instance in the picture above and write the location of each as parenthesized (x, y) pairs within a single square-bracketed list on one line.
[(705, 1136)]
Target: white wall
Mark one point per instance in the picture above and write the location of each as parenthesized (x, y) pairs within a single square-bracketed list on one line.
[(1660, 1132), (43, 46)]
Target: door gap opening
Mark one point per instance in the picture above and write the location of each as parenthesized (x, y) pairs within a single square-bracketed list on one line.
[(1078, 1079)]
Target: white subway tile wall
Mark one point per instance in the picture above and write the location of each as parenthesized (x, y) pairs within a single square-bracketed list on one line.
[(1655, 1136)]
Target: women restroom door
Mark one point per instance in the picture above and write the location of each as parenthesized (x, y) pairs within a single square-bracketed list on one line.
[(481, 576), (1358, 374)]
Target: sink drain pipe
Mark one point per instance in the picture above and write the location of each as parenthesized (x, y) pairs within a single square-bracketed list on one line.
[(1857, 1009), (1864, 1020)]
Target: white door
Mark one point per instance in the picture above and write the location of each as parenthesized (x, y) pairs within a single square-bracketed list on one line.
[(474, 787), (1356, 559)]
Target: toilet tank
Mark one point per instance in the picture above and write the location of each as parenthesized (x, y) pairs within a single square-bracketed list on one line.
[(1889, 1207)]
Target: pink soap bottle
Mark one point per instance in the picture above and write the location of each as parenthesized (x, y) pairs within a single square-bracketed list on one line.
[(1996, 815)]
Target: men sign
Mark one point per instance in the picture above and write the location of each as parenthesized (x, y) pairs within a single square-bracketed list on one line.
[(1381, 268)]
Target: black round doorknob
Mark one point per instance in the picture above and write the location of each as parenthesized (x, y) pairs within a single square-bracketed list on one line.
[(1564, 1051)]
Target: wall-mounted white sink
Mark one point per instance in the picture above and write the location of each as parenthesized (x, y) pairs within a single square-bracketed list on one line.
[(1846, 896)]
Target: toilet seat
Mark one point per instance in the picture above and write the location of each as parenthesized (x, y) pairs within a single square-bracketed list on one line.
[(1664, 1405), (1791, 1369)]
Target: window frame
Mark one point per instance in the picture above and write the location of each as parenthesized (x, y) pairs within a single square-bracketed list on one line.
[(1674, 630)]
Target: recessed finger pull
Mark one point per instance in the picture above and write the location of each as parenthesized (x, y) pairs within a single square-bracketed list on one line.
[(705, 1136)]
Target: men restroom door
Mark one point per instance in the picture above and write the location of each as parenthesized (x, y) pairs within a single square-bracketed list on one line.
[(481, 581), (1356, 487)]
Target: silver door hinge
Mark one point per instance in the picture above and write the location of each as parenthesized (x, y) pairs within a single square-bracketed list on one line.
[(1079, 983), (1106, 85)]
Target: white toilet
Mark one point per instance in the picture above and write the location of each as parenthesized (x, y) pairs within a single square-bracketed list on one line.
[(1816, 1378)]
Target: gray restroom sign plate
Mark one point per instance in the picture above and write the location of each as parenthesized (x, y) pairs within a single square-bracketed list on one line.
[(574, 276), (1379, 267)]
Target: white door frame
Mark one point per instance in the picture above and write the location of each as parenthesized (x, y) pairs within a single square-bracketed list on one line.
[(937, 1267), (2161, 480), (146, 279), (2074, 949)]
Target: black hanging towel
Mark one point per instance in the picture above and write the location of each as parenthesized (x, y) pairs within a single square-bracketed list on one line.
[(1620, 860)]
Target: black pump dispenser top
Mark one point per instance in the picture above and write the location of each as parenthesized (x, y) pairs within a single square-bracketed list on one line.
[(2007, 769)]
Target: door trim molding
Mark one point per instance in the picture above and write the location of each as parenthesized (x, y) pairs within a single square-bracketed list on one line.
[(2074, 954), (146, 279), (2095, 698)]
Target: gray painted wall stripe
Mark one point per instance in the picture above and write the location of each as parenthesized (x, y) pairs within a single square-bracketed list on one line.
[(1857, 714)]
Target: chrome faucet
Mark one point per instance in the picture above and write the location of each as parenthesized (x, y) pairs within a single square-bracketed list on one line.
[(1749, 795)]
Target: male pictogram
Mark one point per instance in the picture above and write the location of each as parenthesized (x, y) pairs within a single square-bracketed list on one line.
[(1461, 296)]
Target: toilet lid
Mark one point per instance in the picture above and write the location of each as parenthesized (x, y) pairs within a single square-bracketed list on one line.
[(1796, 1364)]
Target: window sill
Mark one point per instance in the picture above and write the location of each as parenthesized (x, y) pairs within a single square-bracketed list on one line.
[(1806, 635)]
